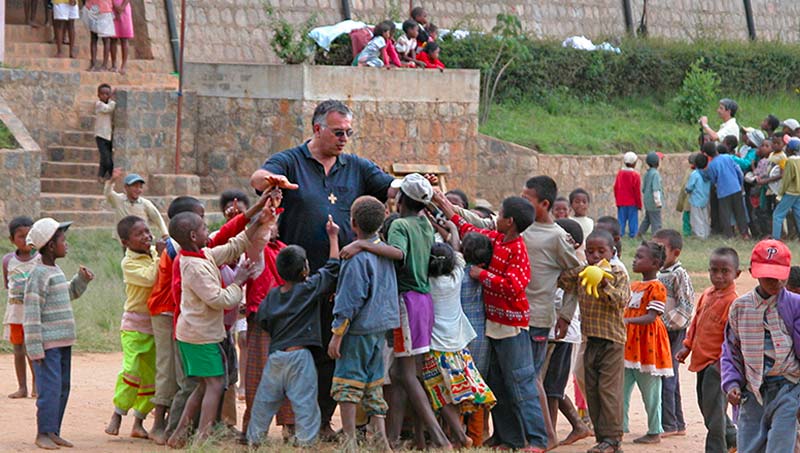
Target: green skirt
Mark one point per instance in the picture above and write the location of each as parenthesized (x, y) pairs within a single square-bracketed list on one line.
[(201, 360)]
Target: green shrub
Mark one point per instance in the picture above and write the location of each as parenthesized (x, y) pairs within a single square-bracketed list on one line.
[(699, 90), (341, 53)]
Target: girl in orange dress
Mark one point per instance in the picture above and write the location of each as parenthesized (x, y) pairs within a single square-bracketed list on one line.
[(647, 352)]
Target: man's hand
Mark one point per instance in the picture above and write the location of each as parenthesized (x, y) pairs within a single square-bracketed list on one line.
[(280, 181), (703, 121), (475, 272), (334, 347), (562, 325), (735, 396), (85, 273), (682, 354), (331, 227)]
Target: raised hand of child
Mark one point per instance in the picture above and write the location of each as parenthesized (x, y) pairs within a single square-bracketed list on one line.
[(116, 175), (244, 272), (85, 273), (682, 354), (233, 210), (735, 396), (334, 347), (161, 245), (331, 227), (280, 181), (591, 278)]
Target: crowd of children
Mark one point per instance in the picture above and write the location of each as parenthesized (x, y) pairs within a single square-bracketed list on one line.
[(458, 313), (413, 46)]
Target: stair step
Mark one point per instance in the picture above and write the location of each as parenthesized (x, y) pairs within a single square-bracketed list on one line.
[(81, 170), (71, 186), (78, 138), (24, 33), (72, 202), (48, 50), (80, 64), (72, 154), (82, 218)]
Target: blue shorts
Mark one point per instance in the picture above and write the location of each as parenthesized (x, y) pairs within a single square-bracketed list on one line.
[(358, 377)]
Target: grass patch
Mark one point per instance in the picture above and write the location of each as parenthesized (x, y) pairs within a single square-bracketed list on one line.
[(99, 310), (7, 140), (563, 124)]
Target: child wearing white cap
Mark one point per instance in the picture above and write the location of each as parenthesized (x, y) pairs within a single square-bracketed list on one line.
[(50, 327), (628, 195), (133, 203)]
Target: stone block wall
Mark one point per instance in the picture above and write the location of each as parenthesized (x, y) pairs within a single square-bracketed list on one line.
[(19, 171)]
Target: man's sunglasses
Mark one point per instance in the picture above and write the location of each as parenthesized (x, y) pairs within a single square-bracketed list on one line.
[(341, 133)]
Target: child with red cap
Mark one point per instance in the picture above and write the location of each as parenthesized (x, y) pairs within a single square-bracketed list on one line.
[(760, 368)]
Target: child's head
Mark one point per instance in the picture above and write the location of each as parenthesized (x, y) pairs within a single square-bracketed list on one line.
[(366, 215), (599, 246), (384, 29), (723, 267), (189, 230), (652, 159), (185, 203), (701, 162), (709, 149), (754, 138), (228, 201), (630, 159), (770, 264), (793, 147), (672, 241), (541, 191), (789, 126), (292, 264), (134, 186), (777, 142), (432, 49), (432, 31), (731, 142), (477, 249), (649, 257), (411, 28), (610, 224), (415, 192), (458, 198), (793, 283), (764, 149), (723, 149), (135, 234), (442, 260), (579, 202), (516, 215), (770, 123), (560, 208), (419, 15), (48, 237), (387, 223), (104, 92), (574, 230), (18, 230)]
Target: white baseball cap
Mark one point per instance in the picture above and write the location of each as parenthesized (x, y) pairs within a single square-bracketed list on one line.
[(629, 157), (43, 230), (791, 123), (415, 186)]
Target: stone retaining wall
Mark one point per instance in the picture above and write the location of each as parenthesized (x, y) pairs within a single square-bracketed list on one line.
[(19, 171)]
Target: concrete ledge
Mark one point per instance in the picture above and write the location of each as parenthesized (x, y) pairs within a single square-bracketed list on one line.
[(316, 83)]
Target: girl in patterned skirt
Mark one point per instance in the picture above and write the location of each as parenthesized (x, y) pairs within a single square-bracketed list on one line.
[(647, 350), (453, 382)]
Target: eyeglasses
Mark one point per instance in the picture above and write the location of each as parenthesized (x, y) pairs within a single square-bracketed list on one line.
[(341, 133)]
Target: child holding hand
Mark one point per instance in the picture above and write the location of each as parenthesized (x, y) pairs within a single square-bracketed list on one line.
[(50, 327), (647, 352)]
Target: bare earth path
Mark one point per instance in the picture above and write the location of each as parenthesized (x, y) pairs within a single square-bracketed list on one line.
[(93, 377)]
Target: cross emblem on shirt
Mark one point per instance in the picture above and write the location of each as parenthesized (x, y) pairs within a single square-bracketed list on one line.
[(332, 198)]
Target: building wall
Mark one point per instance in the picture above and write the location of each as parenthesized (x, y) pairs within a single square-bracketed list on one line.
[(19, 171)]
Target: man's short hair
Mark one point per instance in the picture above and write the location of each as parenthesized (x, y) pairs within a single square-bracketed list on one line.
[(545, 187), (230, 195), (673, 238), (17, 223), (729, 105), (368, 214), (728, 252), (181, 227), (291, 263), (572, 228), (325, 107), (184, 203), (520, 210), (126, 224)]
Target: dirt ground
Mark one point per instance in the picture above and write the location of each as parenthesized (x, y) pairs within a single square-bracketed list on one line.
[(94, 375)]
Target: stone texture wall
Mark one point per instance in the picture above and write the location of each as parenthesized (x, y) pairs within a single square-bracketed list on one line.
[(19, 171), (237, 30)]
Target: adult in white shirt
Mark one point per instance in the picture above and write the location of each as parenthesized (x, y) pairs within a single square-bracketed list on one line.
[(727, 112)]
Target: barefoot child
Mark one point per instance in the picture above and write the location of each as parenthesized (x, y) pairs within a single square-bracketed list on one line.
[(123, 32), (290, 314), (200, 328), (103, 126), (65, 12), (602, 303), (366, 308), (647, 354), (98, 16), (704, 341), (136, 382), (50, 327), (16, 267), (760, 369)]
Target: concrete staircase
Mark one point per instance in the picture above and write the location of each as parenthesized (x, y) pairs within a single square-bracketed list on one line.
[(69, 187)]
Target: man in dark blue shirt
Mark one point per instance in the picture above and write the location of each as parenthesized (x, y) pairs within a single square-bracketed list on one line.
[(329, 182)]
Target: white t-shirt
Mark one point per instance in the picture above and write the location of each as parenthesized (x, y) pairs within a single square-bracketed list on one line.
[(452, 331), (728, 128), (404, 45)]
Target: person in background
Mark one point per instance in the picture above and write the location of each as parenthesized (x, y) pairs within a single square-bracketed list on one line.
[(579, 200), (430, 56), (727, 112), (789, 191), (628, 195), (652, 194), (406, 45), (420, 16), (373, 52), (699, 190), (723, 172), (132, 202), (769, 124), (103, 130), (123, 27)]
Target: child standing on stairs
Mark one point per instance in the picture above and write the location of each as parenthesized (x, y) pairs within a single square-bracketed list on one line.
[(132, 202), (103, 129)]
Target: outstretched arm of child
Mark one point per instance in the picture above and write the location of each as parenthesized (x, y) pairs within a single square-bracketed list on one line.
[(377, 248), (647, 318), (112, 197), (79, 282)]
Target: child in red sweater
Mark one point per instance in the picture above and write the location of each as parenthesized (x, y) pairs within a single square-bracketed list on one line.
[(628, 195), (507, 317), (430, 56)]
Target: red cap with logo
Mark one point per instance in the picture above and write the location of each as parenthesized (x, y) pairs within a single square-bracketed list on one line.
[(771, 259)]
